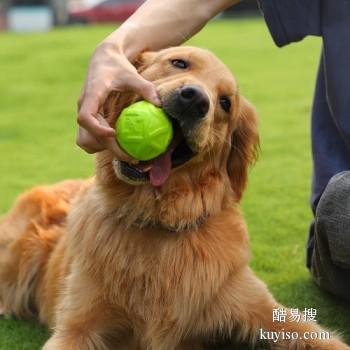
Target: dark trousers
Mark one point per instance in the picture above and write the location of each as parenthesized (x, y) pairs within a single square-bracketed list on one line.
[(330, 261), (328, 253)]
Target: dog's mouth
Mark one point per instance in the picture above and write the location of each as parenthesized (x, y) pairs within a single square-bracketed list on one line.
[(157, 171)]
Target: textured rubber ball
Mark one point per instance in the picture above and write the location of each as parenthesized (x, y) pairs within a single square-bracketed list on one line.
[(143, 130)]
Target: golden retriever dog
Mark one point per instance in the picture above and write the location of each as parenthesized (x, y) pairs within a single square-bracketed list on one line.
[(153, 255)]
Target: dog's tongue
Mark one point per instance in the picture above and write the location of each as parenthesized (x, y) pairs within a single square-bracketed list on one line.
[(161, 168)]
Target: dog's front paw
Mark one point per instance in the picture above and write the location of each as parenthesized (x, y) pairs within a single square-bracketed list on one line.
[(330, 344), (75, 341), (4, 313), (58, 343), (50, 346), (2, 310)]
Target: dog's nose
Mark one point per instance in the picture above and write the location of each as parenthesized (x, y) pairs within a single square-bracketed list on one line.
[(194, 101)]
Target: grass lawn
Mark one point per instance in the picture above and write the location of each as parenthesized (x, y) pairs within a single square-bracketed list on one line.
[(41, 76)]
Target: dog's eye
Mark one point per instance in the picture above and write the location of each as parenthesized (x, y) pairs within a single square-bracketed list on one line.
[(225, 103), (179, 63)]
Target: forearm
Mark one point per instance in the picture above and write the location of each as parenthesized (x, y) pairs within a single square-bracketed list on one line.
[(161, 23)]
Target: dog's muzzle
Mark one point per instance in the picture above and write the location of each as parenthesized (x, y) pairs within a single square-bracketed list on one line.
[(186, 107), (188, 104)]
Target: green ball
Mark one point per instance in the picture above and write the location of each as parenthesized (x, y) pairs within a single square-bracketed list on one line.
[(143, 130)]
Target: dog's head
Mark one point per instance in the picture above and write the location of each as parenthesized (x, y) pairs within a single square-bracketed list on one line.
[(215, 128)]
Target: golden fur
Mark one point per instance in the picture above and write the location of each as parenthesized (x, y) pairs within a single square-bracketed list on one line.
[(111, 265)]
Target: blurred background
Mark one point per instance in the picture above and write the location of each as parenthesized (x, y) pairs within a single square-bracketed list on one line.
[(41, 15)]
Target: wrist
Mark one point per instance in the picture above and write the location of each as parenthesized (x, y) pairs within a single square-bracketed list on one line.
[(122, 41)]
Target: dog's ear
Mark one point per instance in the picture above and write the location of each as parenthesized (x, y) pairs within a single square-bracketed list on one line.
[(144, 60), (244, 146)]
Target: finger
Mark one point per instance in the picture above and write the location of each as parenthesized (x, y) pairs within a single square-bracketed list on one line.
[(88, 142), (89, 107), (111, 144)]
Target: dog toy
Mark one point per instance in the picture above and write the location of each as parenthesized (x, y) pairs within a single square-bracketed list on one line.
[(143, 130)]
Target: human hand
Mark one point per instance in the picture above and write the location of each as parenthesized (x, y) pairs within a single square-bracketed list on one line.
[(109, 70), (155, 25)]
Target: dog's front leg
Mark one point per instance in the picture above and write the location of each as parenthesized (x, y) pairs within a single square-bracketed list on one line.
[(80, 329), (75, 340), (245, 310), (85, 320)]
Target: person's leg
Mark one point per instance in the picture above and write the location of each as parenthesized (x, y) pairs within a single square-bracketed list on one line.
[(330, 151), (330, 266)]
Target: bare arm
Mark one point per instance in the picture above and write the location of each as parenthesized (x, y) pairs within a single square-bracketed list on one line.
[(162, 23), (155, 25)]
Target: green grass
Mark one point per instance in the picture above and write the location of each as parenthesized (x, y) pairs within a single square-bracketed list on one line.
[(40, 80)]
